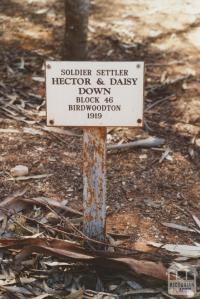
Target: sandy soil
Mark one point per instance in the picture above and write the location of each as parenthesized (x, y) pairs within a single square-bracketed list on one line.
[(142, 193)]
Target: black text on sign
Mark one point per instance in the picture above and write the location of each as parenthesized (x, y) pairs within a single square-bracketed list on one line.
[(93, 94)]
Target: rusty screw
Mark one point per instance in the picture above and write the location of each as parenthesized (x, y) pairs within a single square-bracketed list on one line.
[(51, 122), (48, 66), (139, 121)]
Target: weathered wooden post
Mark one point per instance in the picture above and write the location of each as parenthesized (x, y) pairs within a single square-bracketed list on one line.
[(94, 179), (94, 139)]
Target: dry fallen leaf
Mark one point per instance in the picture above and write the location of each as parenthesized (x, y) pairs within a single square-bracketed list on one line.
[(183, 250), (196, 220), (180, 227), (74, 252)]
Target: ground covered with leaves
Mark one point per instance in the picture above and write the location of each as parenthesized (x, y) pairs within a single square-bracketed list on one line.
[(153, 191)]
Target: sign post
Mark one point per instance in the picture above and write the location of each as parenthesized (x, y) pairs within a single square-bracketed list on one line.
[(94, 179), (94, 95)]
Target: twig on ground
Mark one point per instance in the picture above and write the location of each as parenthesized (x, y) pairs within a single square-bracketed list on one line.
[(156, 103), (155, 88), (144, 143), (31, 177)]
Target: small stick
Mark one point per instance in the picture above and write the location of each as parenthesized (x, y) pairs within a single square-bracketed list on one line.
[(160, 102), (147, 143)]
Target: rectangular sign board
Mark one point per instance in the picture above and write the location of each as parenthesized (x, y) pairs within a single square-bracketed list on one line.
[(94, 94)]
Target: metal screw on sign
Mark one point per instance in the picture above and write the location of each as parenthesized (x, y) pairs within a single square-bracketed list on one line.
[(51, 122)]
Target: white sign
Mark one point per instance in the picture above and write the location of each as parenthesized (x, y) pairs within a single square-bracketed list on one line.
[(94, 94)]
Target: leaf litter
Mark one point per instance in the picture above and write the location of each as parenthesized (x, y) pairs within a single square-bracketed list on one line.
[(35, 260), (50, 261), (56, 264)]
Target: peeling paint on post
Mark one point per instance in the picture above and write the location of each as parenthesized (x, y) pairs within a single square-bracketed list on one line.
[(94, 180)]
